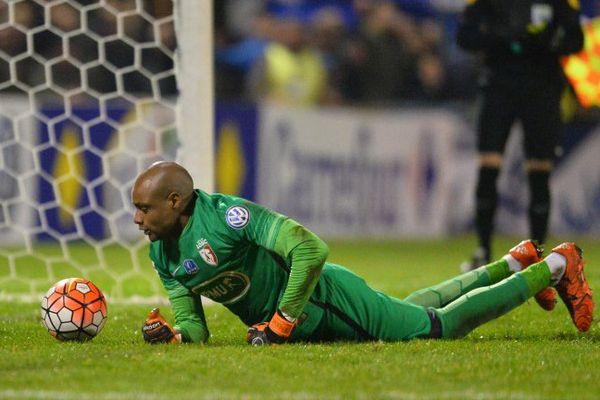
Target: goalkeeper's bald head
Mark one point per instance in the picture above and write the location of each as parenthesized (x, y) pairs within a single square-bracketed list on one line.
[(163, 196), (166, 177)]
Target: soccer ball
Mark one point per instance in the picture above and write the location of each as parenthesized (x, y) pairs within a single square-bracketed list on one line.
[(74, 309)]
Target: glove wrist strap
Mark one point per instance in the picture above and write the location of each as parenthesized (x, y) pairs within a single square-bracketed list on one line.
[(280, 326)]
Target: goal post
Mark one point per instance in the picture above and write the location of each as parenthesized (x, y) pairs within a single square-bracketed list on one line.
[(196, 114), (91, 93)]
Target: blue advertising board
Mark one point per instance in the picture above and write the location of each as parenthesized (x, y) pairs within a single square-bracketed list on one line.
[(235, 149)]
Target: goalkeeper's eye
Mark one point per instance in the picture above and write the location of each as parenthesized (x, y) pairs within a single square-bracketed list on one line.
[(142, 207)]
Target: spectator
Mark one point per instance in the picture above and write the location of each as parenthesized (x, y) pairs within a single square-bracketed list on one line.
[(381, 60), (243, 54), (65, 17), (14, 43), (234, 61), (290, 72), (431, 78), (328, 37)]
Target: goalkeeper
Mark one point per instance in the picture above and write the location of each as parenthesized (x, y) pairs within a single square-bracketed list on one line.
[(272, 273)]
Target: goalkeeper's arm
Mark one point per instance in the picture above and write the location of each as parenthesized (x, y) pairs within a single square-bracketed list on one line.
[(189, 316), (187, 308), (307, 254)]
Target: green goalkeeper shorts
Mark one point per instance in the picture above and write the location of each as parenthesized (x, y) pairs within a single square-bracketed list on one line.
[(354, 311)]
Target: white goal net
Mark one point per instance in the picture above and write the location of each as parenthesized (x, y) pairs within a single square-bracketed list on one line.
[(88, 98)]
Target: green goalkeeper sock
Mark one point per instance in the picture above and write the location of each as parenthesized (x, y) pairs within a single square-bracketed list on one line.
[(498, 270), (486, 303), (439, 295), (537, 276)]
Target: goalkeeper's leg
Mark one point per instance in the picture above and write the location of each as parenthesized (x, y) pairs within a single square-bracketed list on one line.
[(486, 303), (354, 311), (441, 294), (519, 257)]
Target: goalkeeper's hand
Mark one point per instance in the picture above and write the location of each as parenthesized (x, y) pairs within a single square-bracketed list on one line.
[(276, 331), (157, 330)]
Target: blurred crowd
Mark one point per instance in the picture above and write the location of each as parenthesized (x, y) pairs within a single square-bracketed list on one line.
[(365, 52), (371, 52), (301, 52)]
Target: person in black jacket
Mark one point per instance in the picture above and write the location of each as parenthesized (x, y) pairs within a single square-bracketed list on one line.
[(521, 42)]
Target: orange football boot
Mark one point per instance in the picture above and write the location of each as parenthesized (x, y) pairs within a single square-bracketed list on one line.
[(573, 288), (529, 252)]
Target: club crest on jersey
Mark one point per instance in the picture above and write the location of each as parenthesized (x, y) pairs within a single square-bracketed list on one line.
[(206, 252), (237, 217), (190, 266)]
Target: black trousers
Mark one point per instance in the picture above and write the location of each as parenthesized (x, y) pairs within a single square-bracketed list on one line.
[(533, 100)]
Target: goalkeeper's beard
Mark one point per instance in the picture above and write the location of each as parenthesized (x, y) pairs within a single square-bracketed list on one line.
[(172, 234)]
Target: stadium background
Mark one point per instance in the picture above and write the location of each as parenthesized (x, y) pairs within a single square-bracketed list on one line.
[(411, 153), (401, 164)]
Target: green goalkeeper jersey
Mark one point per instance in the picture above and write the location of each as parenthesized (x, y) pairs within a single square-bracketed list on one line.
[(244, 256)]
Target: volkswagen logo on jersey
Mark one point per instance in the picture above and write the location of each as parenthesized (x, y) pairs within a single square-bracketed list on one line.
[(190, 266), (237, 216)]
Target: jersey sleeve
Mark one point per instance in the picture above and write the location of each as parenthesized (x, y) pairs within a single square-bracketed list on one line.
[(304, 252), (187, 307), (308, 254), (189, 315)]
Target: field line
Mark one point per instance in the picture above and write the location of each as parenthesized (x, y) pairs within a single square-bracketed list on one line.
[(133, 300), (59, 394), (393, 395)]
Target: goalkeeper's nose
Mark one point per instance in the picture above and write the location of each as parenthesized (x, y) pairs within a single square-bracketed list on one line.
[(138, 217)]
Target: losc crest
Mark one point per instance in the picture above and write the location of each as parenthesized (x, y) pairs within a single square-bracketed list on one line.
[(206, 252)]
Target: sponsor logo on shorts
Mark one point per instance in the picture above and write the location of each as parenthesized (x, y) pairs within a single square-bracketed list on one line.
[(237, 217), (225, 288)]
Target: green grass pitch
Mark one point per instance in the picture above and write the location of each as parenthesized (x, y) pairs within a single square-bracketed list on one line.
[(527, 354)]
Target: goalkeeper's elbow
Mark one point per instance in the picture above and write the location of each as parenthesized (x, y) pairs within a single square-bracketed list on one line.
[(323, 251)]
